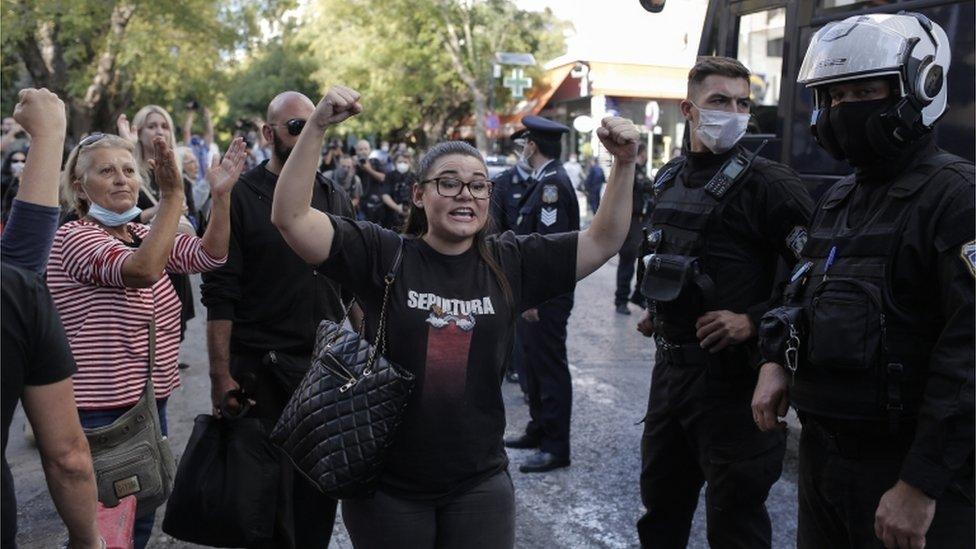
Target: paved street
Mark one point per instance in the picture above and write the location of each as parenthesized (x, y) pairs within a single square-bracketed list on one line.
[(594, 503)]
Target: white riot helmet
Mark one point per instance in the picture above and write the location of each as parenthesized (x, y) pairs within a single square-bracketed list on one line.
[(907, 47)]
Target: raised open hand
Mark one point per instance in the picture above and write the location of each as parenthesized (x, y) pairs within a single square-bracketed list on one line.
[(125, 129), (223, 175), (40, 113), (165, 168), (338, 104), (619, 136)]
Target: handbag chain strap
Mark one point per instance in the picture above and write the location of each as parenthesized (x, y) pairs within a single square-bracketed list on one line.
[(380, 341)]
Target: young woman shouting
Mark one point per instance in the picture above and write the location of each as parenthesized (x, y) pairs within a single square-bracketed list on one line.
[(450, 321)]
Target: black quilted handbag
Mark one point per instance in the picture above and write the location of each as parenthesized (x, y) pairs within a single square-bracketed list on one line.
[(340, 421)]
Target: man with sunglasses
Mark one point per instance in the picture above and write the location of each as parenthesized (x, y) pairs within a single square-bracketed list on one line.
[(548, 206), (263, 307)]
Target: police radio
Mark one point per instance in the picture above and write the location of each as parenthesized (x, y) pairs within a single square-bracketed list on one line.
[(733, 170)]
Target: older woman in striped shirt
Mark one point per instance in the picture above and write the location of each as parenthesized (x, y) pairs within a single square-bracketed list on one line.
[(107, 274)]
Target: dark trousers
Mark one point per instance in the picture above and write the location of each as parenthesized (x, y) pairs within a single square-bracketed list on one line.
[(482, 517), (839, 494), (304, 517), (90, 419), (699, 429), (626, 263), (593, 200), (550, 388)]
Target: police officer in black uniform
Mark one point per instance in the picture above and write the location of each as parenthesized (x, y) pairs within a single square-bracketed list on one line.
[(722, 221), (549, 206), (877, 325), (627, 258), (507, 191)]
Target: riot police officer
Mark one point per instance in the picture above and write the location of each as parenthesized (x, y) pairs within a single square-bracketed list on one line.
[(723, 219), (877, 326), (548, 206), (627, 258)]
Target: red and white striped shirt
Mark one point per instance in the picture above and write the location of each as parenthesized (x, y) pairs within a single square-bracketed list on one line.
[(108, 324)]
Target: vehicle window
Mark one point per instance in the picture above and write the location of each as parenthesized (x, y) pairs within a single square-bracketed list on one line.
[(761, 51), (831, 4)]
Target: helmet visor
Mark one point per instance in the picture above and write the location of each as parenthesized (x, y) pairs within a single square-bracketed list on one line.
[(850, 49)]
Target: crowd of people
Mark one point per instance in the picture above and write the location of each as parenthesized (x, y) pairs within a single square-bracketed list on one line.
[(757, 298)]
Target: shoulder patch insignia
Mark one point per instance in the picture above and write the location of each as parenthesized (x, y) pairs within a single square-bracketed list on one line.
[(548, 216), (968, 255), (796, 240), (550, 194)]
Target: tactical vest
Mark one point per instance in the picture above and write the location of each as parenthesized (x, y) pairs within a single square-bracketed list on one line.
[(676, 278), (865, 355)]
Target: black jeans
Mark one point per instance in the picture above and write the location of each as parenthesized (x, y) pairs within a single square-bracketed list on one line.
[(839, 495), (699, 429), (304, 517), (482, 517)]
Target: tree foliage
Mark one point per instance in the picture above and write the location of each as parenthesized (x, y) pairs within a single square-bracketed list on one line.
[(108, 56), (424, 66)]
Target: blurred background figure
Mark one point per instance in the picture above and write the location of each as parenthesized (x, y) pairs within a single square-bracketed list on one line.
[(10, 174), (595, 178), (400, 183), (345, 176)]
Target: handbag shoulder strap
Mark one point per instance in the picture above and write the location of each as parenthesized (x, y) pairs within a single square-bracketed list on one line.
[(380, 341)]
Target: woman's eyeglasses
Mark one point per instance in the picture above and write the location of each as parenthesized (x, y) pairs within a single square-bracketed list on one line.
[(449, 187), (294, 125)]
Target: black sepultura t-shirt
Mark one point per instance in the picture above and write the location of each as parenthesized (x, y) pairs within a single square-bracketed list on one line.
[(449, 323)]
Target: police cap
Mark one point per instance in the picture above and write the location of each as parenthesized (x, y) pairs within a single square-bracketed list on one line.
[(540, 129)]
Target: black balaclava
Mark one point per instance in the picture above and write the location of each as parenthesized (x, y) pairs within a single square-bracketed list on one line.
[(856, 131)]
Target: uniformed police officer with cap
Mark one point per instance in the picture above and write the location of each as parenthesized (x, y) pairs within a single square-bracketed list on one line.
[(549, 206), (876, 333), (722, 221)]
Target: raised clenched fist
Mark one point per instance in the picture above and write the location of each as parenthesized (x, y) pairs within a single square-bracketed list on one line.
[(620, 137), (338, 104), (40, 113)]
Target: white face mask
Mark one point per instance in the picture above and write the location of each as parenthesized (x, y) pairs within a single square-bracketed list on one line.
[(16, 168), (403, 167), (719, 131)]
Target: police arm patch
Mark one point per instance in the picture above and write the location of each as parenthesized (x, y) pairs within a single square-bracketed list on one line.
[(796, 240), (550, 194), (968, 255), (548, 216)]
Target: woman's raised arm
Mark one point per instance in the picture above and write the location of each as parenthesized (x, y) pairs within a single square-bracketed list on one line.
[(606, 234), (308, 231)]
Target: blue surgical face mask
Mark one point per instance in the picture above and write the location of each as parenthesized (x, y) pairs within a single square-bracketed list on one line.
[(110, 218)]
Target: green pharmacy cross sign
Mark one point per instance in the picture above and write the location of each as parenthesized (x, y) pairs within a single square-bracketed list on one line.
[(517, 82)]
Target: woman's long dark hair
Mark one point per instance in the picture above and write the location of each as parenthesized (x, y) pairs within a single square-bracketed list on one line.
[(416, 224)]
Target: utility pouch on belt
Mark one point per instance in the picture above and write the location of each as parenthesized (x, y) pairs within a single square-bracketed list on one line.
[(666, 276), (780, 333)]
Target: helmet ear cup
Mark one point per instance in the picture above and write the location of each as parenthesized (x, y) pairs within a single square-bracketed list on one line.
[(931, 78), (824, 133)]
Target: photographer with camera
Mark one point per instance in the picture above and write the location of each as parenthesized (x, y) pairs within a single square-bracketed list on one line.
[(377, 205), (331, 156)]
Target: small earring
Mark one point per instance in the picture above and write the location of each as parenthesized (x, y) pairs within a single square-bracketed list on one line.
[(419, 206)]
